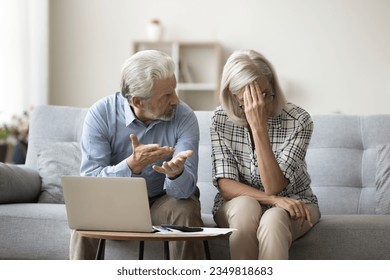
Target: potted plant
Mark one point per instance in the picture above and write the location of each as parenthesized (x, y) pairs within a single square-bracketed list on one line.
[(3, 142), (14, 134)]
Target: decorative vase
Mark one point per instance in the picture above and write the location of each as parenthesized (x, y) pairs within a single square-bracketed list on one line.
[(154, 30)]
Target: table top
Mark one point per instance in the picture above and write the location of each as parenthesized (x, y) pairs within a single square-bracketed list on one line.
[(156, 236)]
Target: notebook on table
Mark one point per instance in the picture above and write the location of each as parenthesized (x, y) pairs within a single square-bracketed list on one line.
[(107, 203)]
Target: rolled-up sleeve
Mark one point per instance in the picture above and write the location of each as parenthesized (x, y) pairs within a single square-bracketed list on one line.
[(187, 139), (293, 151), (223, 162)]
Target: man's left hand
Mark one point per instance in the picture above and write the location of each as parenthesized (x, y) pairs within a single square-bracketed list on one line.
[(173, 168)]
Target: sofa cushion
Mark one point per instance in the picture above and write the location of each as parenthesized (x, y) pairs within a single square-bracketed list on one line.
[(54, 161), (18, 184), (33, 231), (382, 180)]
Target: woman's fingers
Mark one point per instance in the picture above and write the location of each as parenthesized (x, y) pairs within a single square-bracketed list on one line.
[(299, 211)]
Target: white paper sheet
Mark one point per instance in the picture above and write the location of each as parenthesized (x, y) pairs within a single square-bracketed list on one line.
[(211, 231)]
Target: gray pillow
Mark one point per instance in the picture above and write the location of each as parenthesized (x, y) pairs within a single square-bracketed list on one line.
[(382, 180), (54, 161), (18, 184)]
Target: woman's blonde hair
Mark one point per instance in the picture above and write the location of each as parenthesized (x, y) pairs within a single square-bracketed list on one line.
[(242, 68)]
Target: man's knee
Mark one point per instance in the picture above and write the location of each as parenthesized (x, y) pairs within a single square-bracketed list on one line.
[(187, 206), (180, 211), (187, 211)]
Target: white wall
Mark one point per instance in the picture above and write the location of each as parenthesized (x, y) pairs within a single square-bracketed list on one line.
[(331, 55)]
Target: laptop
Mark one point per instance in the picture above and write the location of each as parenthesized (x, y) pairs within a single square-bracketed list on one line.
[(107, 203)]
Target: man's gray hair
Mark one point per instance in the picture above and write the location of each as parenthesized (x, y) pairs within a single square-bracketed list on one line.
[(141, 70), (242, 68)]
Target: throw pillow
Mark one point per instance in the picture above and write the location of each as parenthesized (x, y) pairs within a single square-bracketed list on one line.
[(54, 161), (382, 180), (18, 184)]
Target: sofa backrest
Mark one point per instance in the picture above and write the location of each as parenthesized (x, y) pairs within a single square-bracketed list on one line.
[(341, 157), (342, 161), (49, 124), (207, 189)]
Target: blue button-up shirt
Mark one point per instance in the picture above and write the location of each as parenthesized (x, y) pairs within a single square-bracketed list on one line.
[(105, 144)]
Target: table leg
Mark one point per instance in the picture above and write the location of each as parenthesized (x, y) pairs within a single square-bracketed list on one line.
[(206, 249), (166, 250), (141, 250), (101, 249), (102, 245)]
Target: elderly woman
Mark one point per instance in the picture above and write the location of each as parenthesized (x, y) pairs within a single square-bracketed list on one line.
[(259, 143)]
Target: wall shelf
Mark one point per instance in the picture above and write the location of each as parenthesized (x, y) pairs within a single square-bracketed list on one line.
[(198, 70)]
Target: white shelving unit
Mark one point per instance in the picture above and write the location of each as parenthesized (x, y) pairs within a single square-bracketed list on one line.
[(198, 70)]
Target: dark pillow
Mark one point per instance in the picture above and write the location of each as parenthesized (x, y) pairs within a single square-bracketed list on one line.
[(54, 161), (18, 184), (382, 180)]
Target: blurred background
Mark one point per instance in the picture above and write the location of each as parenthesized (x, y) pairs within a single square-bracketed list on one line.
[(332, 56)]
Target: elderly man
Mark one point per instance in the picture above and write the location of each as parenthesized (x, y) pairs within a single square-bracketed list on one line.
[(146, 131)]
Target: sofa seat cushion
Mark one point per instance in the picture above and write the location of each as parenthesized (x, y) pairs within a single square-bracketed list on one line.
[(382, 180), (18, 184), (54, 161), (34, 231), (339, 237)]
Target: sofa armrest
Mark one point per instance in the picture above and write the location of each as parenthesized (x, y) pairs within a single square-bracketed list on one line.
[(18, 184)]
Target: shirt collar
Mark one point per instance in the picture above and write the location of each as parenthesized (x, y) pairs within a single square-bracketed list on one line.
[(129, 114), (275, 121)]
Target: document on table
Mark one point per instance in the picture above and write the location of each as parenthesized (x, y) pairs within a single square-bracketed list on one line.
[(211, 231)]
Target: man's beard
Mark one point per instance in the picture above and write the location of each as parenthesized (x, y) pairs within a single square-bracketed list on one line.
[(166, 116)]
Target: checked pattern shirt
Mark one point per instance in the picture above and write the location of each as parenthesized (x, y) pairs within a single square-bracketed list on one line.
[(233, 156)]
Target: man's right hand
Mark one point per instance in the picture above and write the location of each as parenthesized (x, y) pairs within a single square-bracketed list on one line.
[(146, 154)]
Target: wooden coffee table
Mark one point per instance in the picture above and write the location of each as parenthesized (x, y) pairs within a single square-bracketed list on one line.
[(142, 237)]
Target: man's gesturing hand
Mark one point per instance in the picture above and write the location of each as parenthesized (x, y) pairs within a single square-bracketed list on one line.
[(146, 154), (175, 166)]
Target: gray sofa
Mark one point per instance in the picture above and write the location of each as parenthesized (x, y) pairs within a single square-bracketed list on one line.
[(342, 160)]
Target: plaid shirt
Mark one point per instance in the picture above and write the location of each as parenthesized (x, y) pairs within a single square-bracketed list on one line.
[(233, 156)]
